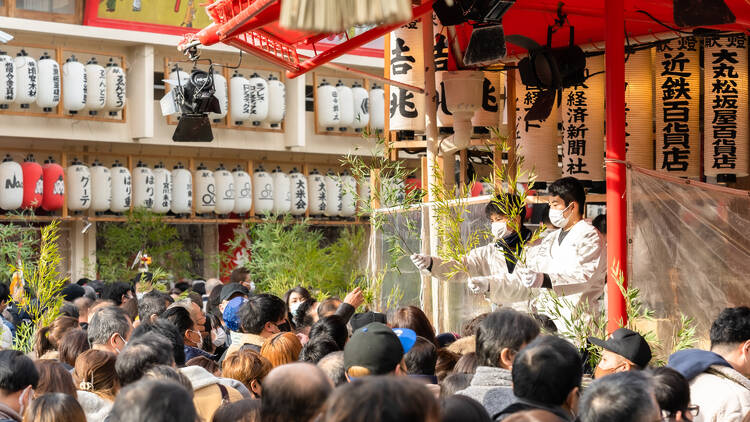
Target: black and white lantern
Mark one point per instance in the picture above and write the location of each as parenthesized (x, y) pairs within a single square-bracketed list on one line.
[(144, 187), (361, 100), (75, 85), (224, 190), (7, 80), (316, 188), (276, 101), (334, 205), (116, 88), (27, 79), (79, 193), (121, 188), (243, 191), (263, 193), (239, 99), (348, 195), (298, 183), (101, 187), (182, 190), (162, 189), (220, 92), (346, 103), (258, 99), (11, 184), (48, 85), (205, 190), (96, 78), (281, 192), (328, 107)]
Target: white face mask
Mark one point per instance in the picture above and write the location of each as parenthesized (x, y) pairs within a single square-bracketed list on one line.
[(499, 229), (220, 337), (557, 219), (293, 307)]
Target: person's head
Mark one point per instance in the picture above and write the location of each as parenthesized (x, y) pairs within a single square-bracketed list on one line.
[(333, 366), (53, 378), (421, 358), (118, 292), (245, 410), (73, 343), (501, 335), (446, 361), (454, 383), (109, 329), (467, 364), (248, 367), (303, 318), (55, 407), (625, 350), (373, 350), (18, 379), (294, 392), (195, 311), (621, 397), (263, 315), (672, 392), (328, 306), (567, 200), (212, 284), (333, 326), (180, 317), (140, 355), (168, 373), (151, 305), (95, 372), (459, 408), (413, 318), (534, 416), (136, 403), (360, 320), (209, 365), (281, 348), (548, 370), (4, 296), (231, 291), (600, 223), (48, 338), (295, 297), (167, 330), (383, 399), (242, 276), (506, 213), (471, 326), (199, 287), (317, 348), (72, 292), (730, 337)]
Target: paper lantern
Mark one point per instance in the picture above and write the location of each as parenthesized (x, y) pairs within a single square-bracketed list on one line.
[(224, 190), (282, 194), (346, 105), (182, 190), (53, 190), (11, 190), (75, 85), (583, 125), (276, 101), (101, 187), (316, 188), (348, 195), (725, 106), (377, 108), (298, 184), (258, 99), (407, 65), (220, 92), (537, 141), (243, 191), (122, 188), (639, 129), (33, 188), (493, 100), (363, 191), (96, 82), (205, 190), (7, 80), (677, 85), (162, 189), (463, 98), (27, 75), (440, 46), (116, 88), (328, 106), (144, 187), (48, 85), (444, 116), (78, 179), (239, 99), (406, 110), (361, 101), (334, 195), (262, 191)]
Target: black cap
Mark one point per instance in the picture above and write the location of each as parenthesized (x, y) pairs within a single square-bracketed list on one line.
[(628, 344), (232, 288), (360, 320), (72, 292), (375, 347)]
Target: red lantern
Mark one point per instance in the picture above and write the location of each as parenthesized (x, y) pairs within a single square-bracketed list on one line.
[(33, 185), (54, 185)]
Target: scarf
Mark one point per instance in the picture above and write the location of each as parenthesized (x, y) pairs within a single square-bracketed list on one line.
[(510, 244)]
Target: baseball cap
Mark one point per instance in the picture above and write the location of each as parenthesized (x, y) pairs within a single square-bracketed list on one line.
[(628, 344), (232, 288), (72, 292), (231, 313), (360, 320), (376, 347)]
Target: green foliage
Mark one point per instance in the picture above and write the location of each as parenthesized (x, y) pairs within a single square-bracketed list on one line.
[(17, 243), (146, 231)]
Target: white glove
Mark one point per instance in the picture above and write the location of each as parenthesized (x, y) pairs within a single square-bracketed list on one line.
[(478, 285), (422, 262)]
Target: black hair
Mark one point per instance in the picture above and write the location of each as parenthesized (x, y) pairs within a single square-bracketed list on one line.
[(570, 190), (258, 310), (334, 326), (199, 288), (169, 331), (152, 303), (182, 286), (16, 371), (503, 329), (180, 317), (328, 306), (620, 397), (4, 292), (212, 304), (317, 348), (462, 408), (115, 292), (98, 287), (546, 371), (672, 390), (731, 327), (454, 383), (499, 205), (140, 355), (70, 310), (422, 357), (153, 401), (299, 290), (239, 411), (600, 223), (302, 317)]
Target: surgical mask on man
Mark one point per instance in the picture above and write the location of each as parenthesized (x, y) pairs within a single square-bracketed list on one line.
[(294, 306), (220, 337), (499, 229), (557, 219)]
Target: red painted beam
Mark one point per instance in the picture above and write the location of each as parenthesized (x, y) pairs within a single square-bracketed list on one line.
[(257, 15)]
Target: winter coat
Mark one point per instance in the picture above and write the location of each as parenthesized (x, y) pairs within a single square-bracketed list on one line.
[(210, 391), (496, 383), (8, 415), (95, 407)]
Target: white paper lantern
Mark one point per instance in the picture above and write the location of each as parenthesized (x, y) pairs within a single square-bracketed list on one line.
[(298, 183), (328, 106), (224, 190), (7, 80), (316, 188), (220, 92), (101, 187), (11, 184), (407, 65), (78, 178), (282, 194), (162, 189), (75, 85), (144, 187), (182, 190), (361, 100), (48, 86), (639, 109), (444, 116), (334, 204), (121, 188), (276, 101), (348, 195), (493, 100), (258, 99), (377, 108), (239, 99), (96, 82), (243, 191), (205, 190), (346, 104), (27, 75), (463, 98), (116, 88), (263, 193), (363, 191)]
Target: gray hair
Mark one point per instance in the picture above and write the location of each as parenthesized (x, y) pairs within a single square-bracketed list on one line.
[(107, 321), (332, 365), (621, 397), (187, 304)]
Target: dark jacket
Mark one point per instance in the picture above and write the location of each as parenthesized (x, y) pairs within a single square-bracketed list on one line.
[(523, 405)]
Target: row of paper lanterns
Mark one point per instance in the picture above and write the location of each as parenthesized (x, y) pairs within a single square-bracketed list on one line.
[(30, 185), (341, 107), (92, 87)]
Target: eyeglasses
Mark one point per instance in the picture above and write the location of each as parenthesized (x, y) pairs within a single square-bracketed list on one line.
[(667, 416)]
